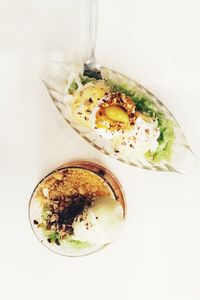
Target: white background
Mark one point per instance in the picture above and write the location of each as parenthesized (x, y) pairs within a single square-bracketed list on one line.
[(157, 42)]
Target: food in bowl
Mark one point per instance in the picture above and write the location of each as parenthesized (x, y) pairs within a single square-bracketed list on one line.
[(119, 117), (128, 123), (76, 210)]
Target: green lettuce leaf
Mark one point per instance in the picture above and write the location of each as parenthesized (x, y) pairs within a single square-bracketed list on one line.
[(73, 87), (79, 244)]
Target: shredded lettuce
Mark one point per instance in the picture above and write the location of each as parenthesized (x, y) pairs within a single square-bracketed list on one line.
[(79, 244), (73, 87), (165, 140)]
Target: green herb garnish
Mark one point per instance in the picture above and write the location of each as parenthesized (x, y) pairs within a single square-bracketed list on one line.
[(73, 87), (53, 236)]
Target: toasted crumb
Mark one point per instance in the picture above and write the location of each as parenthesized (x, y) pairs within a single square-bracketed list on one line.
[(45, 192), (76, 181), (58, 175), (147, 131)]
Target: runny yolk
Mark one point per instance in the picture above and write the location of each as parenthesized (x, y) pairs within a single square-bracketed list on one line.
[(116, 113)]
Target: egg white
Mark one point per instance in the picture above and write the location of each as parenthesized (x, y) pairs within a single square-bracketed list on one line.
[(102, 222)]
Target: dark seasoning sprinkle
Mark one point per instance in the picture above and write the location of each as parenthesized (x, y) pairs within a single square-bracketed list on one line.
[(57, 242), (63, 209), (68, 209)]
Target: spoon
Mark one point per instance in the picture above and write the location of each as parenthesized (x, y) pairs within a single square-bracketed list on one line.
[(91, 67), (58, 76)]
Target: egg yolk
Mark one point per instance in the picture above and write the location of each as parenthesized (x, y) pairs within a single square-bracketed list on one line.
[(116, 113)]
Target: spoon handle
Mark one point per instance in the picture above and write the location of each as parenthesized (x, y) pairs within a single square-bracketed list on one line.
[(93, 22)]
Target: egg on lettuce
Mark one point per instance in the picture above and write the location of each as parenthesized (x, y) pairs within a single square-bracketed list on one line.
[(128, 130), (114, 118)]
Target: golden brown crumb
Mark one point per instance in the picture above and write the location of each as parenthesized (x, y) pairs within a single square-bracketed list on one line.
[(75, 181), (58, 175), (147, 131)]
